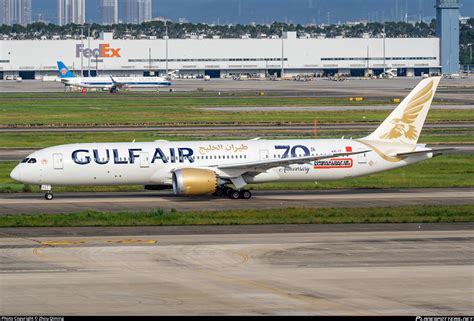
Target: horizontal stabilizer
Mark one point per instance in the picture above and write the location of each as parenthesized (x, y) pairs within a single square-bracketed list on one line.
[(424, 152)]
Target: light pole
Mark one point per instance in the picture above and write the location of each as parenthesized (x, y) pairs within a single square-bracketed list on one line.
[(89, 45), (166, 38), (82, 46), (470, 58), (149, 62), (384, 48), (282, 54)]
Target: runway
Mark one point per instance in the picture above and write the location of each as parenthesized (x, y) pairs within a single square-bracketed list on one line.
[(458, 90), (375, 272), (26, 203)]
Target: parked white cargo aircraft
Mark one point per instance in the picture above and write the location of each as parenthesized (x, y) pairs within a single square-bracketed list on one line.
[(113, 84), (198, 168)]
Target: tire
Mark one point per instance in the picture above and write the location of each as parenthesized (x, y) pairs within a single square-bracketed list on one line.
[(226, 191), (234, 195), (245, 194), (49, 196), (219, 192)]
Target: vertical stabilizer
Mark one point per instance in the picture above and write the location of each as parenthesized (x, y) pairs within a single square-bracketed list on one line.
[(403, 127), (64, 71)]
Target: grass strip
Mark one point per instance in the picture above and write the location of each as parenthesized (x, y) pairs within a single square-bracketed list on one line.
[(165, 115), (159, 217), (62, 110)]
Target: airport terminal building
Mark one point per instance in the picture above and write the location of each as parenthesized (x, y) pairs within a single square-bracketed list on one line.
[(289, 55)]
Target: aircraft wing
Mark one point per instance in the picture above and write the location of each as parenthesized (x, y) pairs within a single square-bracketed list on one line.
[(264, 165)]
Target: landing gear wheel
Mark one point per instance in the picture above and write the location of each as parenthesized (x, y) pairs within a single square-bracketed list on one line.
[(226, 191), (244, 194), (234, 195), (49, 196), (219, 192)]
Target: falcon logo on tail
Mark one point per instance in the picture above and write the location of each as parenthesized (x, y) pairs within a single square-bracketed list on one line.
[(404, 126)]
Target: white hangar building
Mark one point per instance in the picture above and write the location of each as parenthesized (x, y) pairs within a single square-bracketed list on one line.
[(33, 59)]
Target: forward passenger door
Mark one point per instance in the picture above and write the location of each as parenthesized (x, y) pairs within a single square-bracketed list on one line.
[(58, 161)]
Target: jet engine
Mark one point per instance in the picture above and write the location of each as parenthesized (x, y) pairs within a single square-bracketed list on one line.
[(191, 181)]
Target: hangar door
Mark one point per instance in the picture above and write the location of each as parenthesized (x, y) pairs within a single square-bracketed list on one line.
[(421, 71), (357, 72), (212, 73), (274, 72), (401, 72), (93, 73), (29, 75), (330, 72)]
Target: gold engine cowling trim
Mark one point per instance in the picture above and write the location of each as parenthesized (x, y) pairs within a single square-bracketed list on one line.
[(191, 181)]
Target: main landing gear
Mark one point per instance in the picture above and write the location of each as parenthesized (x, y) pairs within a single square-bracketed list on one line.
[(232, 193)]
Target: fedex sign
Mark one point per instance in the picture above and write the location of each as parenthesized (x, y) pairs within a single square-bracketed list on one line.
[(104, 51)]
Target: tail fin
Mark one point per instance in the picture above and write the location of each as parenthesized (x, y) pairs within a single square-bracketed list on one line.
[(64, 71), (403, 127)]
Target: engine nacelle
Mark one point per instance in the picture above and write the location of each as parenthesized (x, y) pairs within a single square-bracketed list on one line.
[(192, 181)]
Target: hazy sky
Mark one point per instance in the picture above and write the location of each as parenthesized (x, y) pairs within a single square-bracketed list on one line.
[(266, 11)]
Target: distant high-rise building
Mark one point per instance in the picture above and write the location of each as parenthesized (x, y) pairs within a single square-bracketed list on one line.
[(109, 11), (137, 11), (15, 12), (4, 13), (71, 11), (447, 29)]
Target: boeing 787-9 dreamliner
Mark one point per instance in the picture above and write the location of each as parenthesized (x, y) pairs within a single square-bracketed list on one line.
[(226, 167)]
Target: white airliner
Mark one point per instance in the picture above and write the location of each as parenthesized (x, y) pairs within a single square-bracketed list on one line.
[(205, 167), (113, 84)]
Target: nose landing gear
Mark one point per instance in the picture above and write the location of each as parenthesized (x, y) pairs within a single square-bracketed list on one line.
[(49, 194)]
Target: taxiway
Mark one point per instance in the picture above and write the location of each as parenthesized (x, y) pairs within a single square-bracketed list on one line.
[(28, 203), (376, 272)]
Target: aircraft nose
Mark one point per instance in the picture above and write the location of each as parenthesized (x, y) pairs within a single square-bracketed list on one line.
[(15, 174)]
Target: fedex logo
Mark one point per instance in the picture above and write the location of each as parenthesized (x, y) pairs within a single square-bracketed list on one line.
[(104, 51)]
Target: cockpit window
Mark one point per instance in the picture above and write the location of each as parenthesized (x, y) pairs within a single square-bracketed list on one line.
[(32, 161), (25, 160)]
